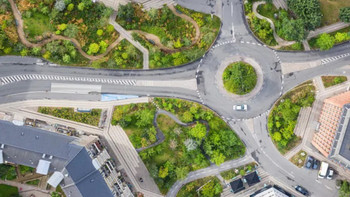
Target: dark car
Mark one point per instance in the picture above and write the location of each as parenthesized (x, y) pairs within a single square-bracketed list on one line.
[(309, 162), (302, 190), (316, 164)]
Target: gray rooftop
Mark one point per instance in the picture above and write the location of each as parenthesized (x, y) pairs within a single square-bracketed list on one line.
[(26, 145), (38, 141), (345, 146)]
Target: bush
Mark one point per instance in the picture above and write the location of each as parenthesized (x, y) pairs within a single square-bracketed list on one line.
[(239, 78), (325, 41), (344, 14)]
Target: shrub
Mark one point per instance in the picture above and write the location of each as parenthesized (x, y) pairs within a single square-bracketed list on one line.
[(325, 42), (99, 32), (93, 48), (344, 14), (70, 7), (60, 5)]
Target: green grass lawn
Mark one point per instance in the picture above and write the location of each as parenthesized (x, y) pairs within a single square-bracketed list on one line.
[(7, 172), (25, 169), (299, 158), (91, 118), (33, 182), (208, 186), (329, 81), (8, 191), (330, 10), (232, 173), (37, 25)]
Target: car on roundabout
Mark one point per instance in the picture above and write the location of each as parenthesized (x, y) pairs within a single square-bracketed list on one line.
[(241, 107)]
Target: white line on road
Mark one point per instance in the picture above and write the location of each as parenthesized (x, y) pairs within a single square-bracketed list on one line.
[(231, 9), (318, 181), (328, 187)]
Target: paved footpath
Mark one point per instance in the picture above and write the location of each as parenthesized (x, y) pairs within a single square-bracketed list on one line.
[(128, 36), (328, 29)]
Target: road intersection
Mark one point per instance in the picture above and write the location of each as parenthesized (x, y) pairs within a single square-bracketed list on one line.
[(235, 39)]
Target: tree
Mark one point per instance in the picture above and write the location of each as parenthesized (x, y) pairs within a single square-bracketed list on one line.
[(344, 14), (217, 157), (62, 27), (190, 144), (181, 172), (36, 50), (66, 58), (126, 12), (277, 136), (93, 48), (344, 189), (60, 5), (163, 172), (340, 37), (70, 7), (71, 30), (103, 46), (110, 28), (144, 118), (309, 11), (198, 131), (81, 6), (293, 29), (99, 32), (325, 41), (55, 194), (211, 189), (187, 117)]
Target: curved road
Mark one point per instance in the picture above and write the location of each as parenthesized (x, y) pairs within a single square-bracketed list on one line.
[(235, 40)]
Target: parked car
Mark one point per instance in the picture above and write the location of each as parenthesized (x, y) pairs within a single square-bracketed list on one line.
[(242, 107), (309, 162), (302, 190), (330, 173), (316, 164)]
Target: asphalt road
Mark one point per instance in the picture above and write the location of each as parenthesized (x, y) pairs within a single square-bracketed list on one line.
[(234, 29)]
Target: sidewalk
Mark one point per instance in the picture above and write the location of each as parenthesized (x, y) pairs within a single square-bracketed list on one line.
[(327, 29), (128, 36)]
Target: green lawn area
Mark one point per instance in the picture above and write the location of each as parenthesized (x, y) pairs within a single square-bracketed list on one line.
[(91, 118), (211, 187), (7, 172), (330, 10), (268, 10), (25, 169), (294, 47), (239, 78), (283, 116), (184, 147), (329, 81), (8, 191), (33, 182), (299, 158), (242, 170), (37, 25)]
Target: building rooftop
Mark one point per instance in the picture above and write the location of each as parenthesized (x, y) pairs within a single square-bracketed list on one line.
[(345, 146), (237, 185), (49, 152), (339, 100), (252, 178)]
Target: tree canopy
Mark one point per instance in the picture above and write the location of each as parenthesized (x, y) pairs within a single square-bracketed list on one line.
[(325, 41), (344, 14), (309, 11)]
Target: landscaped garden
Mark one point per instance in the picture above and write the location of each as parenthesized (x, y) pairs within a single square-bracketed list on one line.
[(329, 81), (175, 41), (260, 27), (34, 182), (7, 172), (91, 118), (283, 116), (8, 191), (299, 158), (25, 169), (9, 43), (327, 41), (239, 78), (185, 148), (242, 170), (208, 186), (330, 10)]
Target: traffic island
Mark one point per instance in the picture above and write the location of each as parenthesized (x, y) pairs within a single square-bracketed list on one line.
[(240, 78)]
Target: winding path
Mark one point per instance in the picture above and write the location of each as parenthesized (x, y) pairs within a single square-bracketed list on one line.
[(160, 136), (157, 41), (53, 37), (280, 41)]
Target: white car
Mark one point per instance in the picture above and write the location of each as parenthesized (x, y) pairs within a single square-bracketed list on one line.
[(330, 173), (242, 107)]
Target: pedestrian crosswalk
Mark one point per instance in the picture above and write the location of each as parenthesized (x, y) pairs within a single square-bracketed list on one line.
[(17, 78), (331, 59)]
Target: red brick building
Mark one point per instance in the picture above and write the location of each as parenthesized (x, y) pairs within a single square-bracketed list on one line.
[(329, 122)]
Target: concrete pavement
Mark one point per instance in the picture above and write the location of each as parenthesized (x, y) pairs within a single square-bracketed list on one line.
[(327, 29)]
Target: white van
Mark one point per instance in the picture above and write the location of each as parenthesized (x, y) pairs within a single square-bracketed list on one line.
[(323, 170)]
